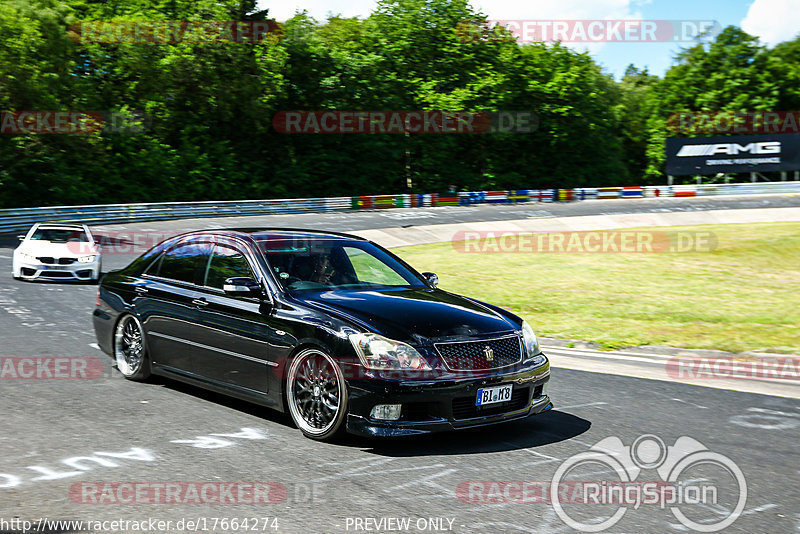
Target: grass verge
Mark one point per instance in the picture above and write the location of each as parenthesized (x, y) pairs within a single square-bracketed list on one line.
[(743, 295)]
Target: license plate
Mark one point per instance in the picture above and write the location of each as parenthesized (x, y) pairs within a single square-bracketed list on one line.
[(55, 268), (493, 395)]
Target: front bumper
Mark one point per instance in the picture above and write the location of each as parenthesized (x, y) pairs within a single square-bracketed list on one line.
[(74, 271), (447, 403)]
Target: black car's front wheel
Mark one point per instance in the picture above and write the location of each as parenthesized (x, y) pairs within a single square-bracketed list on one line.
[(130, 351), (316, 394)]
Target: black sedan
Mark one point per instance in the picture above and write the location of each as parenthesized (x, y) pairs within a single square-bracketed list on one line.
[(331, 328)]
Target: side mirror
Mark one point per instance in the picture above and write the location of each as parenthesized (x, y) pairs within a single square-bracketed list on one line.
[(432, 279), (21, 237), (242, 287)]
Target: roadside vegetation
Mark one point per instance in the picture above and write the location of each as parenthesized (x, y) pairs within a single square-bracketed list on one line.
[(742, 296), (197, 117)]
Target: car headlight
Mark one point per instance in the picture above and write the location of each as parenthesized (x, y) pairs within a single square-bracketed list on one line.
[(86, 259), (381, 353), (530, 340), (24, 256)]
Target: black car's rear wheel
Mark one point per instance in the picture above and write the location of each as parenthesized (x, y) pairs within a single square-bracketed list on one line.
[(130, 350), (316, 394)]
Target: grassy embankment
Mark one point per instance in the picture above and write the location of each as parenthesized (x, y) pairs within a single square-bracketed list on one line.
[(744, 295)]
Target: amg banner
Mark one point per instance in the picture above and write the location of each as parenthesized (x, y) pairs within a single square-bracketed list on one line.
[(740, 153)]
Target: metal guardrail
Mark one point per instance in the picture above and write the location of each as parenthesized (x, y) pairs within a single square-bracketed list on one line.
[(22, 218), (19, 219)]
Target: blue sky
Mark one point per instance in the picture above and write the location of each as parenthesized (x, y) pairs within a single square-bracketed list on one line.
[(771, 20)]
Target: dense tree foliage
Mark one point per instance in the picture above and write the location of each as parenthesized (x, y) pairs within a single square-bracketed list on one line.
[(198, 116)]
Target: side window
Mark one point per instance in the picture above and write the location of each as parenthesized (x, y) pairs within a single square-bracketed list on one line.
[(370, 270), (180, 263), (226, 262)]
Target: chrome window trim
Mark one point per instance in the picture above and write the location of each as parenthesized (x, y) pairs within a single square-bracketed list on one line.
[(215, 349)]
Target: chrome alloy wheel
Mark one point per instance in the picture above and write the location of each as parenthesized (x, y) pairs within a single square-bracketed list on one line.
[(316, 393), (129, 349)]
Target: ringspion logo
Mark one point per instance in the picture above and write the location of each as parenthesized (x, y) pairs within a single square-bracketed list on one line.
[(707, 490)]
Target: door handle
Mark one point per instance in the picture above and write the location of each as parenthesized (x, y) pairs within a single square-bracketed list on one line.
[(142, 290), (200, 302)]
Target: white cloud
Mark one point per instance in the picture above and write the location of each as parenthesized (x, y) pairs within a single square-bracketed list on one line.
[(555, 10), (495, 9), (319, 9), (773, 20)]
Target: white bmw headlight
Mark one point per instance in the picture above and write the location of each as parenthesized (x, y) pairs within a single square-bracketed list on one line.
[(86, 259), (530, 340), (381, 353)]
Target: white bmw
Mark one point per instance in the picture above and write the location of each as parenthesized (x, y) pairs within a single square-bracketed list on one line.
[(51, 251)]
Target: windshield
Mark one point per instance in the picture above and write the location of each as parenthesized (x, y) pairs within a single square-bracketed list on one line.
[(59, 235), (326, 264)]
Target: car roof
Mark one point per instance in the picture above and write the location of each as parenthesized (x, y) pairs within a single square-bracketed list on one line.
[(267, 234), (61, 226)]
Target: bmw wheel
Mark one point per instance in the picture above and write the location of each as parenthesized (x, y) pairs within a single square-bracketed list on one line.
[(316, 394), (130, 350)]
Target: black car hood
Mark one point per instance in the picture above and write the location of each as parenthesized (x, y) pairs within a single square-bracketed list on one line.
[(412, 314)]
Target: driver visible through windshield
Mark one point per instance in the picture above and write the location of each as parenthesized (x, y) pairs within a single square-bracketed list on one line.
[(59, 235), (327, 264)]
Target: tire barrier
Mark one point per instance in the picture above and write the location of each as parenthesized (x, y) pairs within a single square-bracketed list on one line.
[(14, 220)]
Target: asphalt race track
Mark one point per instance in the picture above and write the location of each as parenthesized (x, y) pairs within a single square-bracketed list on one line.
[(60, 439)]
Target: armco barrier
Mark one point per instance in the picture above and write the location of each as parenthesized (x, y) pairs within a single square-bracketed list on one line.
[(684, 190), (13, 220), (496, 197), (447, 199), (540, 195), (632, 192), (608, 192), (383, 201), (519, 195), (584, 193)]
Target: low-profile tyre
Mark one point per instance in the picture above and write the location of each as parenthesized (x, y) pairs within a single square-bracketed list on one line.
[(130, 349), (316, 394)]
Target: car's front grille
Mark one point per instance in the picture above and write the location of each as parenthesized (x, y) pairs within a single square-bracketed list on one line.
[(48, 260), (481, 355), (464, 407)]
